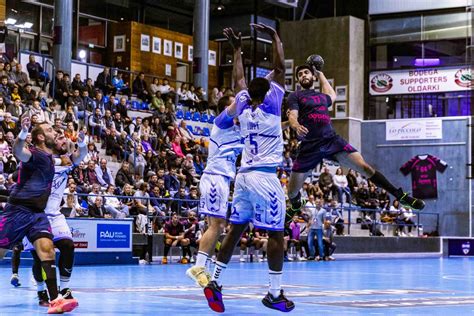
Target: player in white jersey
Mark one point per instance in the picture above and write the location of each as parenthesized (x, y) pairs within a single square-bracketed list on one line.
[(224, 147), (258, 195), (62, 237)]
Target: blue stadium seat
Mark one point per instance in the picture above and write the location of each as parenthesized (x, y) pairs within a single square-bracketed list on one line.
[(190, 128), (206, 132), (106, 98), (196, 117), (135, 105), (204, 117), (211, 119), (145, 106), (179, 114), (187, 116)]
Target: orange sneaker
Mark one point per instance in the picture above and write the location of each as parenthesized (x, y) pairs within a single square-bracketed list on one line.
[(61, 305), (164, 260), (184, 261)]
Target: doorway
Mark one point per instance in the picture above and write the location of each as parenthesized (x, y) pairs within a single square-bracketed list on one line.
[(182, 73)]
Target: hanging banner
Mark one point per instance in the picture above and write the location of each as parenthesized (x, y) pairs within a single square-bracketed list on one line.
[(421, 80), (413, 129)]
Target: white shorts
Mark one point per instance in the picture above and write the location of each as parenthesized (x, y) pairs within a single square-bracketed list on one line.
[(214, 195), (259, 198), (59, 228)]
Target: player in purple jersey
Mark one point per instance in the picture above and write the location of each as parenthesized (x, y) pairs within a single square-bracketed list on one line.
[(259, 108), (310, 119), (24, 212)]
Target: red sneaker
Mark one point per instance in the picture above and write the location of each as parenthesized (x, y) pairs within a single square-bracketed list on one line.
[(61, 305)]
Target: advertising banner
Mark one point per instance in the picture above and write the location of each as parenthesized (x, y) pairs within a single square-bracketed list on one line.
[(424, 80), (413, 129), (461, 247), (106, 235)]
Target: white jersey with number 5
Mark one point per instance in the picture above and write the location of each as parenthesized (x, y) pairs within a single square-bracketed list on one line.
[(261, 129)]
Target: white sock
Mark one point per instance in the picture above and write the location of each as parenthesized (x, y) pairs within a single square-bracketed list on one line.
[(208, 263), (218, 270), (275, 282), (63, 282), (40, 286), (242, 252), (201, 259)]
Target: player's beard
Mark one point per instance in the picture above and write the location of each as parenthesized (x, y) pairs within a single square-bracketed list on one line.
[(307, 84), (50, 143), (60, 151)]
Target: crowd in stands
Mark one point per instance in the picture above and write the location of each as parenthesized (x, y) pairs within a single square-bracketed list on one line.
[(161, 158)]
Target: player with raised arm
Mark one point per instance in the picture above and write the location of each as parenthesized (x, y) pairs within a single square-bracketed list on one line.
[(24, 212), (258, 196), (310, 119), (62, 237)]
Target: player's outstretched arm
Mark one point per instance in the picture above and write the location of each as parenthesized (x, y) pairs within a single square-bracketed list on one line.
[(278, 73), (238, 75), (326, 87), (19, 149), (81, 151), (301, 131)]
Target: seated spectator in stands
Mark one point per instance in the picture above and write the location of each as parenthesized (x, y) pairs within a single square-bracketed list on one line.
[(79, 176), (337, 218), (77, 103), (111, 105), (104, 82), (37, 73), (352, 180), (170, 107), (184, 131), (4, 146), (113, 205), (176, 147), (156, 194), (188, 170), (72, 189), (326, 183), (193, 204), (137, 161), (9, 73), (406, 219), (287, 163), (165, 89), (71, 132), (362, 197), (28, 95), (373, 198), (89, 105), (154, 85), (174, 237), (193, 99), (120, 86), (97, 209), (384, 200), (141, 203), (213, 100), (118, 123), (36, 109), (95, 191), (76, 209), (92, 153), (96, 125), (67, 84), (146, 144), (70, 116), (172, 182), (124, 176), (15, 94), (77, 83), (89, 87), (3, 106), (178, 205), (5, 91), (99, 102), (140, 88), (91, 175), (157, 101), (295, 230), (342, 186), (183, 93), (328, 241), (20, 77), (199, 165), (122, 108), (126, 197), (9, 125), (104, 175), (60, 93)]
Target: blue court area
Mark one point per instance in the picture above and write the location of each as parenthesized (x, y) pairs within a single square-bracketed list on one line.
[(345, 287)]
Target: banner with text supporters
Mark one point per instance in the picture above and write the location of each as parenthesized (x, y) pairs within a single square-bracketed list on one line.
[(421, 80), (101, 235), (414, 129)]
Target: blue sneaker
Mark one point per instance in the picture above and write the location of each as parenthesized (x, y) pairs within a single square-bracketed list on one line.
[(213, 293), (280, 303), (15, 280)]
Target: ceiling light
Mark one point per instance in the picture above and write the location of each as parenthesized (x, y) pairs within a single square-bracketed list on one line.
[(28, 25), (220, 7), (10, 21), (82, 54)]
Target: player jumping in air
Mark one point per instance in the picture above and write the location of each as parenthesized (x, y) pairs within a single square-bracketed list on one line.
[(258, 196), (310, 119)]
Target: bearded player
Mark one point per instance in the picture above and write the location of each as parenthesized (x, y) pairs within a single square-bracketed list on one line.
[(24, 212), (310, 119), (62, 237)]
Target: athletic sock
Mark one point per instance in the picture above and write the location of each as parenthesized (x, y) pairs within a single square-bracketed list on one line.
[(242, 252), (218, 270), (167, 250), (201, 259), (379, 180), (64, 282), (186, 251), (296, 198), (275, 283), (208, 263), (40, 286), (49, 270)]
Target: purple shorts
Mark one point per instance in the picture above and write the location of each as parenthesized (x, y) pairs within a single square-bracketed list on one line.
[(18, 221), (312, 153)]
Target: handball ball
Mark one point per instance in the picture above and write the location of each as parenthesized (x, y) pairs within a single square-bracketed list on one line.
[(316, 61)]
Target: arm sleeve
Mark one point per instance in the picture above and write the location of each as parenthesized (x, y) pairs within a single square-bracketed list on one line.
[(242, 99), (441, 165), (293, 101), (273, 99), (406, 168), (328, 100), (223, 120)]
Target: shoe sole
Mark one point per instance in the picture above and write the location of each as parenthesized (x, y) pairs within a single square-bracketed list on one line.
[(67, 307), (192, 277), (15, 283), (215, 305), (269, 305)]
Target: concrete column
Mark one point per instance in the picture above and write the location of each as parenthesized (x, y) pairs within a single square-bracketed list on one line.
[(62, 45), (201, 44)]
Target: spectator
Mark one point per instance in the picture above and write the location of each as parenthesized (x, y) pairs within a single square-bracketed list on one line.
[(91, 175), (9, 125), (97, 209), (342, 186), (92, 153), (154, 85), (76, 209), (171, 181), (318, 215), (174, 236), (165, 89), (28, 95), (406, 218), (120, 86), (137, 161), (111, 105), (326, 183), (157, 101), (96, 125), (104, 175), (337, 218), (183, 93), (70, 116), (329, 244), (99, 102), (4, 146), (95, 191), (70, 132), (37, 73), (90, 87), (19, 76), (179, 205), (77, 103), (124, 176), (384, 200), (36, 109), (158, 205), (104, 82), (79, 176), (78, 84), (352, 180), (199, 165), (176, 147), (122, 108), (140, 88), (141, 200), (295, 230), (114, 206)]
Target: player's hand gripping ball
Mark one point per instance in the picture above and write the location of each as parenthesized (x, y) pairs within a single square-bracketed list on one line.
[(315, 61)]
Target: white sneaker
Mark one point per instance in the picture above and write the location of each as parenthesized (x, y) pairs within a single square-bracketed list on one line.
[(142, 261), (242, 259), (301, 258)]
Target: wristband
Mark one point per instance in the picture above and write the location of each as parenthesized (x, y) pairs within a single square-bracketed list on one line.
[(22, 135)]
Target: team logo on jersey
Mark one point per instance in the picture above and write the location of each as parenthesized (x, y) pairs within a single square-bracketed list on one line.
[(466, 247), (463, 77), (381, 83)]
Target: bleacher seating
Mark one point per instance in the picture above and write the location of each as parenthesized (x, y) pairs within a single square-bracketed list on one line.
[(211, 119), (204, 117), (196, 117), (190, 128), (206, 132), (187, 116), (179, 114)]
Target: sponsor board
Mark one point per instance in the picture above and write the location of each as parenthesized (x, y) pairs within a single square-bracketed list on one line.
[(113, 236), (461, 247), (414, 129), (424, 80)]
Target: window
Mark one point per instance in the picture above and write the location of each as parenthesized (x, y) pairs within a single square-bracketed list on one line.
[(395, 30), (47, 21), (91, 32), (444, 26)]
